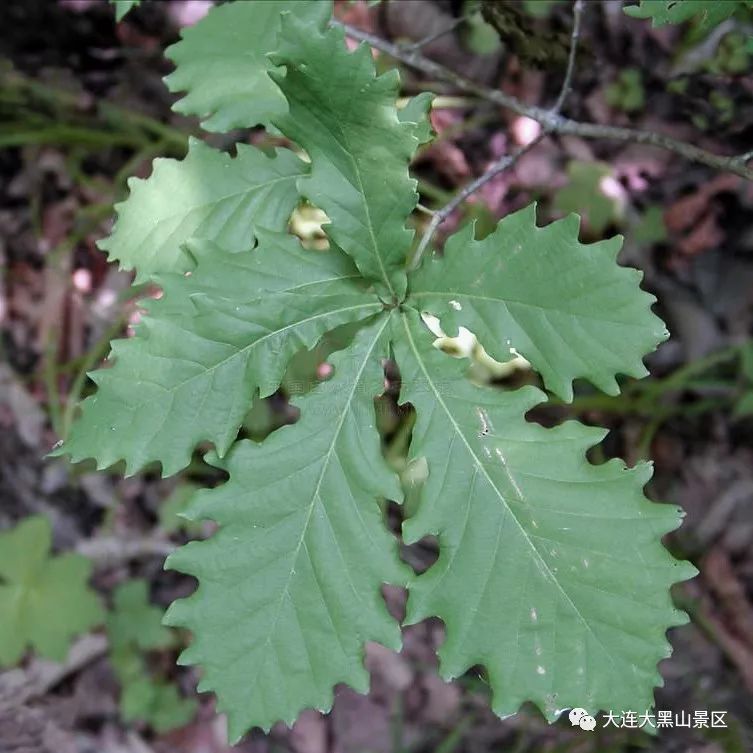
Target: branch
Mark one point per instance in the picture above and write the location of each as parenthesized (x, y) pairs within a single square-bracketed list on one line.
[(578, 8), (551, 121)]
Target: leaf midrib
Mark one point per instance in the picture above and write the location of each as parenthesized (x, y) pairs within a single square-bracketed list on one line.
[(506, 302), (216, 292)]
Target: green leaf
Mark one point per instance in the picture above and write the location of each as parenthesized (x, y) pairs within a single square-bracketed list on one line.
[(627, 92), (709, 13), (206, 195), (479, 36), (168, 709), (585, 194), (44, 601), (345, 117), (128, 663), (289, 587), (744, 405), (172, 508), (205, 348), (732, 56), (416, 111), (222, 62), (539, 8), (746, 362), (157, 703), (651, 228), (566, 307), (135, 622), (123, 6), (134, 626), (551, 573)]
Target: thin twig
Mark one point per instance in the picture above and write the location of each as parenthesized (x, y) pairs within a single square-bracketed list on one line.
[(112, 551), (425, 210), (502, 164), (552, 121), (578, 9), (429, 38)]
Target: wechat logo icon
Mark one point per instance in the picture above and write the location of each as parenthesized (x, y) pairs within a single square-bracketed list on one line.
[(581, 718)]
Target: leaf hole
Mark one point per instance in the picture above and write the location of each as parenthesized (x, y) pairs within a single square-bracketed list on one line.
[(421, 555), (307, 223)]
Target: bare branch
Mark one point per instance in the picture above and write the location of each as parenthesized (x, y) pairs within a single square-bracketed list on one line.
[(551, 121), (578, 9)]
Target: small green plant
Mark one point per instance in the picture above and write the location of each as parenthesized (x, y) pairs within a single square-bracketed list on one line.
[(626, 93), (724, 106), (171, 511), (45, 601), (539, 8), (588, 192), (650, 227), (732, 55), (35, 585), (134, 627), (551, 572), (479, 36)]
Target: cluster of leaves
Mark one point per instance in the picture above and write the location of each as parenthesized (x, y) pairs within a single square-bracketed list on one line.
[(134, 627), (627, 92), (732, 56), (34, 585), (551, 573), (651, 228), (46, 601)]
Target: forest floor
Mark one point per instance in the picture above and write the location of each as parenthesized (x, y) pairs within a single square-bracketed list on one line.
[(83, 107)]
